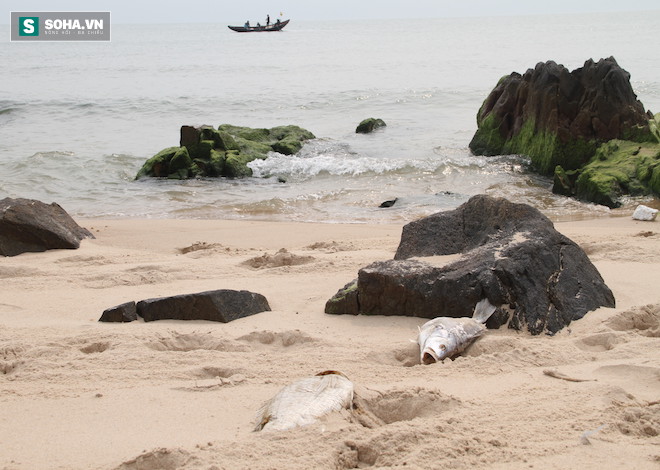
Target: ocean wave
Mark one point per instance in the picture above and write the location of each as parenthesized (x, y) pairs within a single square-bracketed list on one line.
[(323, 157)]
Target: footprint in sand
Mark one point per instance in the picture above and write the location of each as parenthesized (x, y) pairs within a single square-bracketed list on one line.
[(210, 372), (640, 421), (378, 409), (159, 459), (84, 260), (195, 341), (330, 247), (405, 405), (95, 347), (599, 342), (643, 382), (279, 259), (284, 339), (10, 358), (198, 249), (644, 320)]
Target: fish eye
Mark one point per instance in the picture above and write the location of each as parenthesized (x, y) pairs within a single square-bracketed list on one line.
[(443, 347)]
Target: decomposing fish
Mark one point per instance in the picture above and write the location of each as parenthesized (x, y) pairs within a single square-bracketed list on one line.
[(304, 401), (445, 337)]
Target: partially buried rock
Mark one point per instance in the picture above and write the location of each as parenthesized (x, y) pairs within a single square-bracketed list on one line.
[(221, 305), (28, 225), (369, 125), (510, 254), (122, 313)]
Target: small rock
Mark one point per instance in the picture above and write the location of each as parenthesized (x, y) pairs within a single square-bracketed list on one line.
[(369, 125), (644, 213), (123, 313), (389, 203)]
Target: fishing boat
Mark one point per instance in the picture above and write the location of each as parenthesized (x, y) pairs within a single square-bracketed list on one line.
[(277, 26)]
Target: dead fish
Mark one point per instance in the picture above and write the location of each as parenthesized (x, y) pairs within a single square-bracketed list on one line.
[(445, 337), (304, 401)]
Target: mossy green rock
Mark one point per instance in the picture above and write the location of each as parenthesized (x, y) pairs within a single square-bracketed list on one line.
[(287, 146), (345, 301), (226, 151), (369, 125), (236, 165), (557, 117), (618, 167), (159, 164)]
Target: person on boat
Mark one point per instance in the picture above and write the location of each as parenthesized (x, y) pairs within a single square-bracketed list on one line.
[(267, 20), (277, 22), (247, 24)]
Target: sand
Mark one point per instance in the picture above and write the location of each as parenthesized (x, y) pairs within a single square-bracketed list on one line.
[(79, 394)]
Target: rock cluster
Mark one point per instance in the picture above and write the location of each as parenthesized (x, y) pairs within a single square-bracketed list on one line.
[(221, 305), (225, 151), (28, 225), (510, 254)]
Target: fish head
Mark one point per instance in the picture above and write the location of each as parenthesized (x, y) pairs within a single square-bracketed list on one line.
[(436, 348)]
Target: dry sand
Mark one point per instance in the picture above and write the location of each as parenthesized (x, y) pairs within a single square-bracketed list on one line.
[(79, 394)]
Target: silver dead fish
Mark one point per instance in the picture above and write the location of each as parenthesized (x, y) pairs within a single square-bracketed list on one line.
[(445, 337), (304, 401)]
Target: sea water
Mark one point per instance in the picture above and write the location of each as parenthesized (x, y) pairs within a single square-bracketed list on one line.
[(77, 120)]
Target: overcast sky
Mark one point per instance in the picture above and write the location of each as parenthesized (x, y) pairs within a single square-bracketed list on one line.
[(205, 11)]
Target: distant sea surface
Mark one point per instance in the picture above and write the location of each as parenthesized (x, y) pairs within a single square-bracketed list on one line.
[(77, 120)]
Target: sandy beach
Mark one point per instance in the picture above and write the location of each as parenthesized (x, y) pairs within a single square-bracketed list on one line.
[(79, 394)]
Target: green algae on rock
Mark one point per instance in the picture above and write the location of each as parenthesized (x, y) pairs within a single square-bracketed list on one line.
[(618, 167), (369, 125), (225, 151)]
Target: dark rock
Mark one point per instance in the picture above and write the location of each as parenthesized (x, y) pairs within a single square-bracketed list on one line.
[(123, 313), (557, 117), (218, 305), (345, 301), (189, 136), (27, 225), (389, 203), (511, 254), (369, 125)]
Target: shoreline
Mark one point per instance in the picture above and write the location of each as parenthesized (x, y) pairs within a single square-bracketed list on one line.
[(98, 395)]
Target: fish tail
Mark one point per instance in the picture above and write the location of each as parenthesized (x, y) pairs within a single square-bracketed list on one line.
[(483, 310)]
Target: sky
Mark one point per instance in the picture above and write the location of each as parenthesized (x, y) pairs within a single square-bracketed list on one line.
[(206, 11)]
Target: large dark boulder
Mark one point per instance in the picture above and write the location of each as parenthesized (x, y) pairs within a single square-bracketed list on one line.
[(27, 225), (225, 151), (218, 305), (557, 117), (511, 254)]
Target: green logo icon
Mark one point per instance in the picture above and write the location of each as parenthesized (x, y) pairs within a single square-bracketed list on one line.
[(28, 26)]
